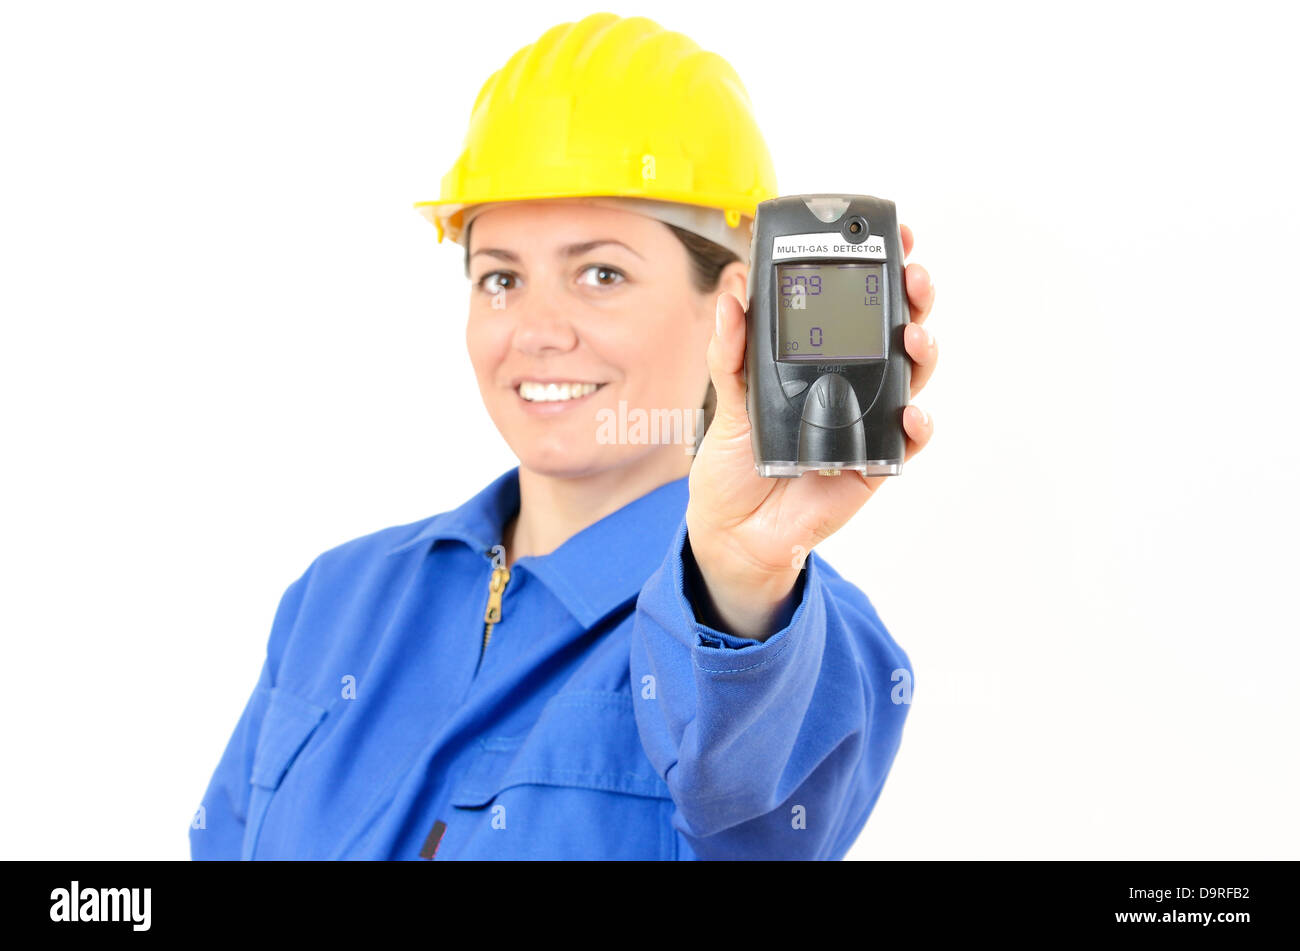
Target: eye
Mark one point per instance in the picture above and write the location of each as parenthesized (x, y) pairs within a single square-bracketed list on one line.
[(494, 282), (601, 275)]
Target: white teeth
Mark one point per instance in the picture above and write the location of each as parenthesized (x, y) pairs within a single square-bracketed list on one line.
[(554, 392)]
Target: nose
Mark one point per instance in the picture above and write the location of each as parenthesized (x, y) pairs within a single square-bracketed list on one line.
[(542, 323)]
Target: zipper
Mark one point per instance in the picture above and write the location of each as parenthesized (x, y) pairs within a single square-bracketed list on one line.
[(496, 589)]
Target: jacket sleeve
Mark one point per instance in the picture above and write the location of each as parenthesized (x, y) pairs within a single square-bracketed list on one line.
[(217, 827), (770, 749)]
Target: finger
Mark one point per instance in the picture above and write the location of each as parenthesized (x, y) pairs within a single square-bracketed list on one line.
[(918, 427), (920, 344), (920, 292), (726, 358), (908, 240)]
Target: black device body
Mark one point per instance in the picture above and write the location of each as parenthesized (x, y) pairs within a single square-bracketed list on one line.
[(827, 375)]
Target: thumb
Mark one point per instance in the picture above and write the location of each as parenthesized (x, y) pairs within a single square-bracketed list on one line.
[(726, 358)]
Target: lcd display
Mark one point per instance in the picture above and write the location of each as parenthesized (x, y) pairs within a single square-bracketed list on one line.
[(831, 311)]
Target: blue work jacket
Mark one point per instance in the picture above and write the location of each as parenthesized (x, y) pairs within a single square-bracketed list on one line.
[(601, 720)]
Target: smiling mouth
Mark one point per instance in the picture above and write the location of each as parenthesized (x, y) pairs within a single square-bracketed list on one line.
[(555, 392)]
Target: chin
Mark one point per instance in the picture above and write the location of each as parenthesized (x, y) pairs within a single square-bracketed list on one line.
[(559, 464), (574, 458)]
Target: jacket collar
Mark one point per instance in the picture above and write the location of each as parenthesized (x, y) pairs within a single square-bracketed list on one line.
[(592, 573)]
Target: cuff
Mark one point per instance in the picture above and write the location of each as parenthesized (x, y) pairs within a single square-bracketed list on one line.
[(711, 641)]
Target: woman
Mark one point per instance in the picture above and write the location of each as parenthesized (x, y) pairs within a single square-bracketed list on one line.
[(623, 647)]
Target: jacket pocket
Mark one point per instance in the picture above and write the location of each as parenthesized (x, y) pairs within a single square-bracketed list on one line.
[(577, 785), (288, 725)]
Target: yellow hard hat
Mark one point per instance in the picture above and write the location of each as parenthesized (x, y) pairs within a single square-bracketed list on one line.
[(610, 106)]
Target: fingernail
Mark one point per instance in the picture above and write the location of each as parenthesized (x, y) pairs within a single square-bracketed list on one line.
[(717, 318), (929, 337), (925, 417)]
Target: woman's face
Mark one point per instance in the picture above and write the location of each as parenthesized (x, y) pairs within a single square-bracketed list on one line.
[(574, 309)]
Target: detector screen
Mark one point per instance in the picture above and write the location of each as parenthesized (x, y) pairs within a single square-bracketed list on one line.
[(831, 311)]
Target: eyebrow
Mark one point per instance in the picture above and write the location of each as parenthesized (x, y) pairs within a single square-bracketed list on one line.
[(569, 251)]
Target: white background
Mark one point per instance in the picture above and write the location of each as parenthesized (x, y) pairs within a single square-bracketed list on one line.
[(230, 343)]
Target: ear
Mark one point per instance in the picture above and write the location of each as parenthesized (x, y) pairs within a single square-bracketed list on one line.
[(733, 280)]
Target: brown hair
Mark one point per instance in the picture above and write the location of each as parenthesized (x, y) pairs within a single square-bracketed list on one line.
[(708, 260)]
